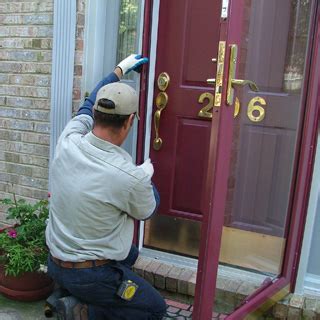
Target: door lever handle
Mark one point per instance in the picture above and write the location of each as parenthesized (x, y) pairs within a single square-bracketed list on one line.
[(232, 72), (240, 82)]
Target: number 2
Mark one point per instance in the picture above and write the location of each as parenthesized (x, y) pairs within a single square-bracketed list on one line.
[(205, 111)]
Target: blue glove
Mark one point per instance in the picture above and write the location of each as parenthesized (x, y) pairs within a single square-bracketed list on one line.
[(133, 62)]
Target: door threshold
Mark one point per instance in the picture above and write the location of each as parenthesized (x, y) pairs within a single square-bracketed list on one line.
[(224, 271), (175, 259)]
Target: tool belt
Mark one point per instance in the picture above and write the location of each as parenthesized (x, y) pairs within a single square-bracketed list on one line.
[(79, 265)]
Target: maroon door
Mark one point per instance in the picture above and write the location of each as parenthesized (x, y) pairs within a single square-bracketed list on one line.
[(188, 37)]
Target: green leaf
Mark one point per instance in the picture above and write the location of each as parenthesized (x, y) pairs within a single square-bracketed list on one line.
[(28, 250)]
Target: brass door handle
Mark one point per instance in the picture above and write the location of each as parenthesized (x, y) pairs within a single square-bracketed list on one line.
[(161, 103), (250, 83), (232, 72)]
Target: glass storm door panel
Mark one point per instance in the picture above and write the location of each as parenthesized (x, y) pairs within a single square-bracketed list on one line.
[(271, 50), (266, 132)]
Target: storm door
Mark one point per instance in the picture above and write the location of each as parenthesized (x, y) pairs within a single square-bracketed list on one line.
[(227, 118)]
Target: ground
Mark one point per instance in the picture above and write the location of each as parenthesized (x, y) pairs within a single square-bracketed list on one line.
[(13, 310)]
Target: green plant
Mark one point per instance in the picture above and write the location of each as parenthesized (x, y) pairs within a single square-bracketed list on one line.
[(23, 246)]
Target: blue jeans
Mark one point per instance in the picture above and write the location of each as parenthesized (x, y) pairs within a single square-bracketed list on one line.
[(97, 287)]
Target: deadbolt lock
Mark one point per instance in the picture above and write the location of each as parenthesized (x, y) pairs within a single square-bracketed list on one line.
[(163, 81)]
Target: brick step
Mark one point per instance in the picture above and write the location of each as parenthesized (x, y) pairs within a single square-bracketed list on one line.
[(183, 311), (177, 285)]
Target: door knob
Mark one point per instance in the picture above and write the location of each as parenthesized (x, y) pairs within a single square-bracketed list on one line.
[(232, 72)]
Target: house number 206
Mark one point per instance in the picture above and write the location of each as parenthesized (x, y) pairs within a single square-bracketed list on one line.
[(255, 111)]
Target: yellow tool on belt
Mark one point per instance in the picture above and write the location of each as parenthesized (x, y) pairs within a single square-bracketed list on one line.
[(127, 290)]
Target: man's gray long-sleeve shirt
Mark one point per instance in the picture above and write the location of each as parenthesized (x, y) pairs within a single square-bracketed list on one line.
[(96, 191)]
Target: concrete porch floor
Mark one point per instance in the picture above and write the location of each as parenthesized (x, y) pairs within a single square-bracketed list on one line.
[(14, 310)]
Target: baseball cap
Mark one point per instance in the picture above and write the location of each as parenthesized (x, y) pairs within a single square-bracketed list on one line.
[(124, 98)]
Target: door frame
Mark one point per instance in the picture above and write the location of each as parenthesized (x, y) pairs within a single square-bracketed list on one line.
[(266, 296)]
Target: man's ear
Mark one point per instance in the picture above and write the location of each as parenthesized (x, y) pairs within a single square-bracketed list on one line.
[(129, 122), (131, 119)]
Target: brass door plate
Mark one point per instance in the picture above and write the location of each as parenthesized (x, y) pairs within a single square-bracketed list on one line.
[(232, 72), (219, 76)]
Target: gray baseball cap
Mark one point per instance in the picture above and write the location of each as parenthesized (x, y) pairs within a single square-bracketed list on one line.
[(125, 99)]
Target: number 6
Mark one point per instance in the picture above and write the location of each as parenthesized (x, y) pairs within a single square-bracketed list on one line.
[(257, 108)]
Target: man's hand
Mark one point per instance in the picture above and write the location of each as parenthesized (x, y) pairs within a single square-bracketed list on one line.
[(147, 167), (133, 62)]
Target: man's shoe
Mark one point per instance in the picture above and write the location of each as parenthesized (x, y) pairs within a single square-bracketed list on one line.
[(70, 308), (51, 302)]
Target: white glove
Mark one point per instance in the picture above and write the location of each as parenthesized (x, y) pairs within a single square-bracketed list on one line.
[(147, 167), (133, 62)]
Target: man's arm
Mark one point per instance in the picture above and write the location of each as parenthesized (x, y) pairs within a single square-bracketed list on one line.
[(86, 108), (143, 200), (83, 124), (147, 167), (157, 198), (132, 62)]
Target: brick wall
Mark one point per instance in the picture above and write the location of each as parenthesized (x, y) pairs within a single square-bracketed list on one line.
[(78, 63), (26, 29)]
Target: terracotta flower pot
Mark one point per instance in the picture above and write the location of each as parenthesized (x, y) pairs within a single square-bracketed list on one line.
[(29, 286)]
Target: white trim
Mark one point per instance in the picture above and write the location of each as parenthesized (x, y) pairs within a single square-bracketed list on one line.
[(309, 226), (63, 52), (152, 68), (101, 16), (312, 284)]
